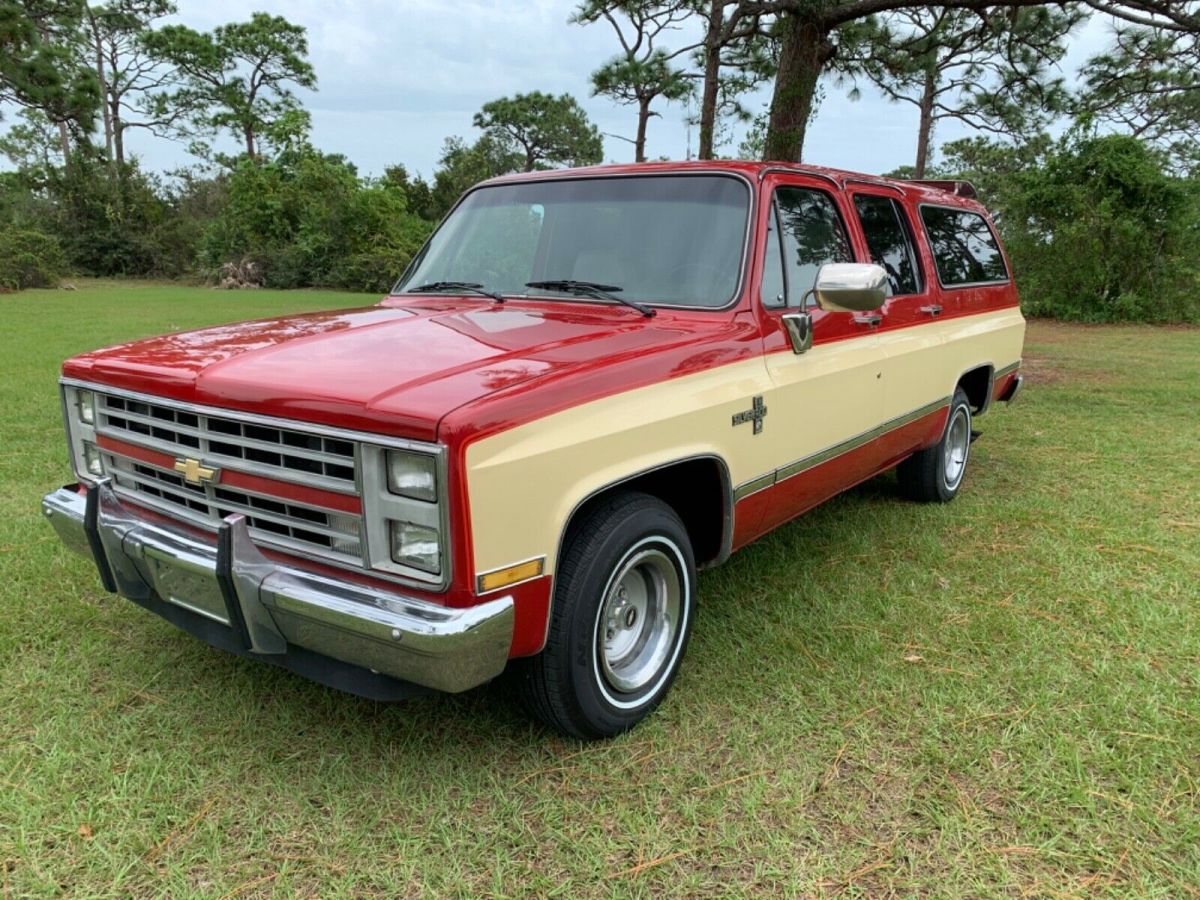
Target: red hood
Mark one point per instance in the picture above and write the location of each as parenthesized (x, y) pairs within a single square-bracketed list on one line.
[(395, 369)]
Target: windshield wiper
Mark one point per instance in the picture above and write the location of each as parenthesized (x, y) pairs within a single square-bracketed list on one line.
[(467, 287), (590, 289)]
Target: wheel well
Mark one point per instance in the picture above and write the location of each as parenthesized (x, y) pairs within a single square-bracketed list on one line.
[(699, 492), (978, 385)]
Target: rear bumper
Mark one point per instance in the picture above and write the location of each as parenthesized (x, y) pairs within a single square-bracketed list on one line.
[(350, 636), (1010, 394)]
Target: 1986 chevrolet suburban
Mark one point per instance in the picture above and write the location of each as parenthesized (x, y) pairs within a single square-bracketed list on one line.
[(588, 384)]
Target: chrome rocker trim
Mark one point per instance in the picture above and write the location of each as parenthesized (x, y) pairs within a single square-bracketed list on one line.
[(233, 597)]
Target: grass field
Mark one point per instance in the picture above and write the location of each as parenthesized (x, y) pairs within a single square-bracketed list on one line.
[(998, 696)]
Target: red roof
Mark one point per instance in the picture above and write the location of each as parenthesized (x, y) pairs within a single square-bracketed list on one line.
[(942, 192)]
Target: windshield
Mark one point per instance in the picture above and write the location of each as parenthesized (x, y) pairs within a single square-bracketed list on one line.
[(669, 240)]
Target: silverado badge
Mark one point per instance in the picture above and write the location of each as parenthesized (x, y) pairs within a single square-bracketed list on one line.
[(195, 472), (756, 413)]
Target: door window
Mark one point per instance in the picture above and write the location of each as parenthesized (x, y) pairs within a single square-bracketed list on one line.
[(774, 288), (889, 241), (813, 235)]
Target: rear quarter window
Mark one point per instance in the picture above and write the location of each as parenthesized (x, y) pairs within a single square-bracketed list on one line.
[(965, 250)]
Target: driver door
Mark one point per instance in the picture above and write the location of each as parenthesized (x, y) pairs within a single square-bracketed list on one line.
[(828, 399)]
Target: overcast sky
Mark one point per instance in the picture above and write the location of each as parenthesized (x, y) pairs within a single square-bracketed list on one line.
[(396, 77)]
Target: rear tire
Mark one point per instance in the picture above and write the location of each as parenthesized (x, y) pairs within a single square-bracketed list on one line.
[(935, 475), (624, 600)]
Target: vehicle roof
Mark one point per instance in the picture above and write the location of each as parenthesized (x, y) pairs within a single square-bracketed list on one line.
[(755, 171)]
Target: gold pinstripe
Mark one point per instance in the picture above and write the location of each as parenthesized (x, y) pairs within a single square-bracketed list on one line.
[(800, 466)]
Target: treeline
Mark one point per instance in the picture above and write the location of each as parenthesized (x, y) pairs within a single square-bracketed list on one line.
[(1100, 227), (1097, 227), (289, 217)]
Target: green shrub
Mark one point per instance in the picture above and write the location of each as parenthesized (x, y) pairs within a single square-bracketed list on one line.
[(307, 219), (29, 259), (1097, 228)]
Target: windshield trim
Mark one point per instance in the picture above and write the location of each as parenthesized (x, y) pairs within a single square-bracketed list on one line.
[(747, 232)]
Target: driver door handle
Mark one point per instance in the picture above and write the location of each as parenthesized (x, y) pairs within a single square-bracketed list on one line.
[(873, 319), (934, 309)]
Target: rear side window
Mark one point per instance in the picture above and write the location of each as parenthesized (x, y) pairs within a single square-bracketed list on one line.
[(888, 239), (813, 235), (964, 248)]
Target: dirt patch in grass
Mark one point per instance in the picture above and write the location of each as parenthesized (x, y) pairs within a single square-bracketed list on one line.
[(1040, 370)]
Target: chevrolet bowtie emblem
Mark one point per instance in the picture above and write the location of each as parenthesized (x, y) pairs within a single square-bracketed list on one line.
[(194, 472)]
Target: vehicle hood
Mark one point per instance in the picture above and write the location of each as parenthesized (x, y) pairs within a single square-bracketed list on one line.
[(393, 369)]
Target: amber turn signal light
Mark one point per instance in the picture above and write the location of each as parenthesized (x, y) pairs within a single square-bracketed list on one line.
[(504, 577)]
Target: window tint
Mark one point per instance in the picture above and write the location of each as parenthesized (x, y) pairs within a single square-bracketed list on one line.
[(889, 242), (964, 248), (772, 290), (812, 236)]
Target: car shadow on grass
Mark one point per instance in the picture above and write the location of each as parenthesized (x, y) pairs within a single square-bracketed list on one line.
[(738, 607)]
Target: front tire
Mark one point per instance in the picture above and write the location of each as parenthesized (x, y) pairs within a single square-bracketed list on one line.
[(624, 600), (934, 475)]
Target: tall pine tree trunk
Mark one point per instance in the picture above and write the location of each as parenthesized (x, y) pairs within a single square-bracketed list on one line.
[(639, 144), (712, 75), (118, 137), (64, 138), (925, 129), (805, 51), (104, 107), (64, 133)]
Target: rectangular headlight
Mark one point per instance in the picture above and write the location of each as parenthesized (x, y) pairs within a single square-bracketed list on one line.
[(87, 407), (412, 475), (91, 459), (415, 546)]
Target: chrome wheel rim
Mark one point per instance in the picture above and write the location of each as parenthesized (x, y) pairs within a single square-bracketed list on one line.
[(639, 620), (957, 447)]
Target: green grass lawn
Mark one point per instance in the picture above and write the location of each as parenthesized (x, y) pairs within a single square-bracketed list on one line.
[(998, 696)]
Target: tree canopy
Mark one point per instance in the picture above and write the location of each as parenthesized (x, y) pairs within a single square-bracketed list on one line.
[(644, 71), (549, 131), (1148, 84), (991, 69), (239, 77)]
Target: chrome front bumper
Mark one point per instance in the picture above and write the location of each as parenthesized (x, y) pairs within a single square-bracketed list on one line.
[(231, 595)]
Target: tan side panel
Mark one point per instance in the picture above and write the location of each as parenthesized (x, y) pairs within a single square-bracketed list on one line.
[(525, 482), (925, 363), (823, 397)]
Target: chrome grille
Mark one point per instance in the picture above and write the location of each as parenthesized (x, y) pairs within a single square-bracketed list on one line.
[(231, 444), (264, 449), (279, 521)]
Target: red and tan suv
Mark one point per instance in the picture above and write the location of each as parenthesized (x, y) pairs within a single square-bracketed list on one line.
[(588, 385)]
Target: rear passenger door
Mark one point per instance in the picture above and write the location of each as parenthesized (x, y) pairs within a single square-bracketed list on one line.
[(909, 334)]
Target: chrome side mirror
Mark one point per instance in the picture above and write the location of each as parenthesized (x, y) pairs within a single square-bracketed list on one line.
[(851, 287), (799, 329)]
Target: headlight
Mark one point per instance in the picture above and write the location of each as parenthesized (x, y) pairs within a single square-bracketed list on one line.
[(91, 459), (407, 526), (87, 407), (412, 475), (416, 546), (81, 417)]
